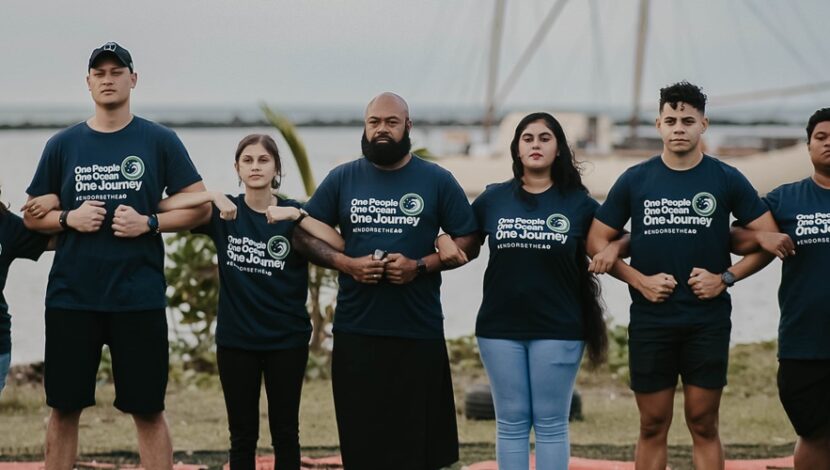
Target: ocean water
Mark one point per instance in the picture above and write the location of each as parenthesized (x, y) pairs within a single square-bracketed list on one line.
[(755, 314)]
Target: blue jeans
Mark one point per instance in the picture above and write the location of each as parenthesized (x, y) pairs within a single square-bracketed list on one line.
[(5, 360), (532, 382)]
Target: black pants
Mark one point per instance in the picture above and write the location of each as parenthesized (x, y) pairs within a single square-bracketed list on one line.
[(241, 372), (394, 404)]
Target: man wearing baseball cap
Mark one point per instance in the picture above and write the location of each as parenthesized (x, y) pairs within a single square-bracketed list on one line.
[(107, 282)]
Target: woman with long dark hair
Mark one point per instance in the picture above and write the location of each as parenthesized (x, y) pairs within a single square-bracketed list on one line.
[(541, 306), (262, 328)]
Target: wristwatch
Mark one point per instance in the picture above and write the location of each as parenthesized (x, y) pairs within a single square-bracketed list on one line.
[(153, 223), (62, 220), (728, 278), (422, 266)]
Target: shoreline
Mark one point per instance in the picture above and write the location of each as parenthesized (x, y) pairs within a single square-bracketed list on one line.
[(236, 122)]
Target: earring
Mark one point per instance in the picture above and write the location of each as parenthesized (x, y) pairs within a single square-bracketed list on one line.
[(240, 182)]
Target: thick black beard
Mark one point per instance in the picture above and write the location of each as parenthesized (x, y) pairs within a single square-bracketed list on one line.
[(386, 153)]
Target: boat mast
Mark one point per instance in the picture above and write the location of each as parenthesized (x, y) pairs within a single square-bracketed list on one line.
[(639, 63), (492, 76)]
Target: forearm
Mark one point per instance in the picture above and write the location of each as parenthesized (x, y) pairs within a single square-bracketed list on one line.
[(622, 245), (317, 251), (324, 232), (184, 219), (751, 264), (743, 241), (48, 224), (185, 201), (470, 244), (595, 243), (625, 273)]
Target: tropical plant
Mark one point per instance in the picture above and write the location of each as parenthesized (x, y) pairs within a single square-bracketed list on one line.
[(193, 297)]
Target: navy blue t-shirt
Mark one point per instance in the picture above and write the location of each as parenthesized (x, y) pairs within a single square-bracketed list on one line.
[(531, 285), (15, 242), (802, 210), (399, 211), (133, 166), (263, 282), (679, 221)]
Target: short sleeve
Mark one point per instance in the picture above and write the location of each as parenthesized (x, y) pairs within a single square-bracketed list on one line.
[(616, 210), (179, 170), (744, 200), (773, 201), (455, 214), (47, 178), (323, 203), (590, 207), (210, 228), (26, 243), (480, 210)]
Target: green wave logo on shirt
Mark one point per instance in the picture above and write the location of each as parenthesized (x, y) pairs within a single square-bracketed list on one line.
[(558, 223), (132, 168), (411, 204), (704, 204), (278, 247)]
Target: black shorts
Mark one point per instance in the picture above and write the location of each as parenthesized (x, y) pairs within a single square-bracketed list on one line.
[(394, 403), (138, 346), (657, 354), (804, 390)]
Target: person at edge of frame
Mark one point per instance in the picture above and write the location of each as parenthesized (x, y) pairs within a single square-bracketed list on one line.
[(802, 211)]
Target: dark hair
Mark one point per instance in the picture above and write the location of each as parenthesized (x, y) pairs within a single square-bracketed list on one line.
[(593, 319), (565, 169), (566, 177), (820, 115), (683, 92), (270, 147), (4, 209)]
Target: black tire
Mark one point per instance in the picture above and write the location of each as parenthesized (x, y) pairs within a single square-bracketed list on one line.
[(478, 403)]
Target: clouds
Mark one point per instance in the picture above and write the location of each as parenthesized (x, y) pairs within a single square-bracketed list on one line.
[(434, 52)]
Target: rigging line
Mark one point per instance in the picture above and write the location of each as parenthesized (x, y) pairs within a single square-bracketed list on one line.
[(568, 69), (697, 64), (427, 71), (531, 48), (807, 28), (493, 66), (600, 91), (736, 98), (782, 39), (745, 54), (473, 66), (459, 60)]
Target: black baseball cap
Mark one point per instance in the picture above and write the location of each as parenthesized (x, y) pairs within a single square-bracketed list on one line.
[(112, 49)]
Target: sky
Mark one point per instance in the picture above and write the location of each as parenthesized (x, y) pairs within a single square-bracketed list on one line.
[(433, 52)]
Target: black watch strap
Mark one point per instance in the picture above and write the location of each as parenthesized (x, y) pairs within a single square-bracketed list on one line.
[(62, 220), (153, 224), (422, 266), (728, 278)]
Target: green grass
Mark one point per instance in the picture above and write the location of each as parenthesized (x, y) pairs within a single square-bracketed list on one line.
[(751, 417)]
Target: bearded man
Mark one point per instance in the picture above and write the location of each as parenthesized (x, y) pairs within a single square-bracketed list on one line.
[(390, 372)]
